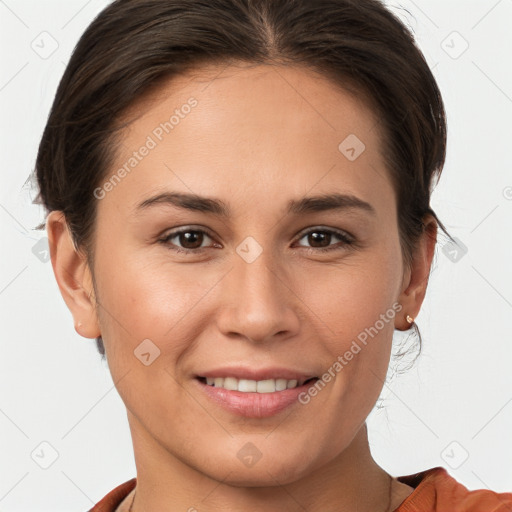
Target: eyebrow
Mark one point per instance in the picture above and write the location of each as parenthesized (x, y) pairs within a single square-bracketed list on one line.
[(219, 208)]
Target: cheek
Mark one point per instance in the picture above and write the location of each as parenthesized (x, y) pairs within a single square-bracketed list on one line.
[(156, 301), (356, 302), (350, 296), (169, 303)]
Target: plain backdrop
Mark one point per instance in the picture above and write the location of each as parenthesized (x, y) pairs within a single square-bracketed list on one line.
[(65, 440)]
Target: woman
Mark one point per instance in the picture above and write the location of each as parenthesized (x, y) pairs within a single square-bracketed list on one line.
[(239, 213)]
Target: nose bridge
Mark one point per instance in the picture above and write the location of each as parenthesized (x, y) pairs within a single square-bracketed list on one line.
[(260, 278), (259, 305)]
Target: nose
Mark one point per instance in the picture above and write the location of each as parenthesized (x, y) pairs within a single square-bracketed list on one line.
[(258, 301)]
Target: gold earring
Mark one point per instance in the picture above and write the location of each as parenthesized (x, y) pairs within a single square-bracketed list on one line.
[(409, 319)]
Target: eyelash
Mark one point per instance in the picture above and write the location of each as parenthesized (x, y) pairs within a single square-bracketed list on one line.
[(345, 238)]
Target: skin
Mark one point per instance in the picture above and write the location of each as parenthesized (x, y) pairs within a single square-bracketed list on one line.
[(258, 137)]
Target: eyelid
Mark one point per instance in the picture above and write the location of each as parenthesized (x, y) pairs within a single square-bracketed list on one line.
[(166, 237), (347, 239), (185, 229), (340, 232)]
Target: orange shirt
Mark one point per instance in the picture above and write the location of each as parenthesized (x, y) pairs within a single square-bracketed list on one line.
[(434, 491)]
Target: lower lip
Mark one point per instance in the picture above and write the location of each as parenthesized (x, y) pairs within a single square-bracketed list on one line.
[(254, 405)]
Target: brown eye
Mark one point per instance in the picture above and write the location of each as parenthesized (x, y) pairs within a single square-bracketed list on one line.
[(191, 239), (185, 240), (321, 239)]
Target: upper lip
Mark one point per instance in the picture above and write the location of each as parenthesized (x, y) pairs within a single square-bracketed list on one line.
[(251, 373)]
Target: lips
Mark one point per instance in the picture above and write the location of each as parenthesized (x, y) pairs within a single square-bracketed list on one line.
[(257, 374), (253, 386), (254, 392)]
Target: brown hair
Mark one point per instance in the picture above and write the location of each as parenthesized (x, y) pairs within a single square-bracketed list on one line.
[(134, 44)]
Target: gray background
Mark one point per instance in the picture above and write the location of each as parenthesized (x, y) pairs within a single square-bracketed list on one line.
[(452, 409)]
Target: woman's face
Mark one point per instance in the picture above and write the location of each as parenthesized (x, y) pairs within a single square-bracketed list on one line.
[(254, 292)]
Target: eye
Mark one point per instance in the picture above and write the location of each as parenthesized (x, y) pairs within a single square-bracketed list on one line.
[(190, 239), (320, 239)]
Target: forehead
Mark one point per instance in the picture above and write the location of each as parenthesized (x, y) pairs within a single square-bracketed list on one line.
[(266, 129), (248, 97)]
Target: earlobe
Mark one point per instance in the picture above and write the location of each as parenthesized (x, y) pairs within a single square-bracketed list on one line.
[(73, 275), (415, 284)]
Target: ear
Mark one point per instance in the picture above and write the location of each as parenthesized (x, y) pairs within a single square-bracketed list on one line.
[(414, 286), (73, 275)]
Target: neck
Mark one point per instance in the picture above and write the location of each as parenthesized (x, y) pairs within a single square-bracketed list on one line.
[(352, 480)]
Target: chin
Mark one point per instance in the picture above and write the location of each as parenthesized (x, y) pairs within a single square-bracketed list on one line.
[(267, 475), (265, 472)]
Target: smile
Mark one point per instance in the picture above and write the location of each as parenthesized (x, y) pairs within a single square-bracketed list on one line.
[(254, 386)]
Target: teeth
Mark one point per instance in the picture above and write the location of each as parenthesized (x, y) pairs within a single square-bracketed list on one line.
[(229, 383), (281, 384), (252, 386), (248, 386)]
